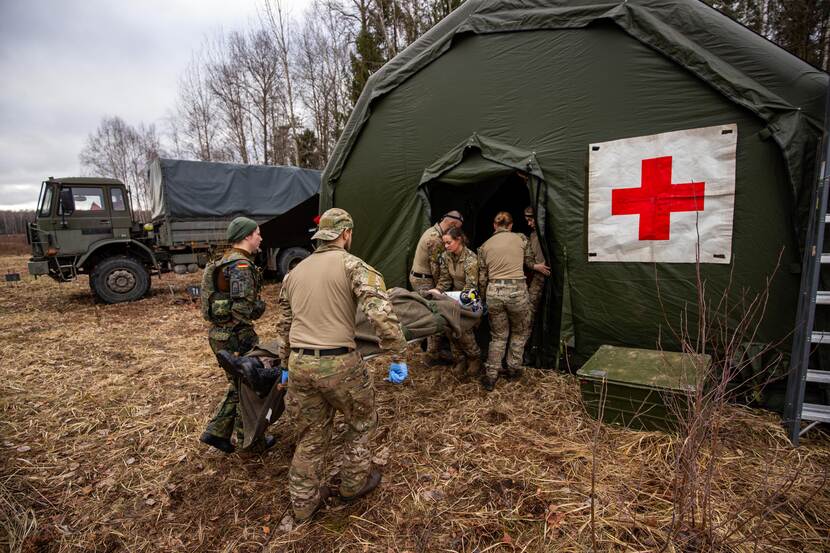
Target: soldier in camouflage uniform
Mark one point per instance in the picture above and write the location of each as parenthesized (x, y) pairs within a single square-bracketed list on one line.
[(537, 279), (426, 264), (458, 271), (317, 306), (501, 260), (232, 313)]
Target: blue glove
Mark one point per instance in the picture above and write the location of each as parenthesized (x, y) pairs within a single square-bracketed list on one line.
[(397, 373), (284, 376)]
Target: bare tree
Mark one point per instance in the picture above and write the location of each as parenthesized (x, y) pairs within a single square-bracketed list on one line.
[(256, 54), (280, 27), (197, 114), (119, 150), (226, 82), (15, 221), (323, 73)]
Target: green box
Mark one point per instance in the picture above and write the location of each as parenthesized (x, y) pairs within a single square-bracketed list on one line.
[(644, 389)]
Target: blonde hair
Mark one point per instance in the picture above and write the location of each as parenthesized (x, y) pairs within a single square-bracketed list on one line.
[(503, 219)]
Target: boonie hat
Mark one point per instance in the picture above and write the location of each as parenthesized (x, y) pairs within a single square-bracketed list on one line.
[(332, 223)]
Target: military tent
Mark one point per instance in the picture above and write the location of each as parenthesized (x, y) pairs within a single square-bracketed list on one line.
[(506, 102)]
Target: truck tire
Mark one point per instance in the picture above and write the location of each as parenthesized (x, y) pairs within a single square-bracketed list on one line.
[(289, 258), (120, 279)]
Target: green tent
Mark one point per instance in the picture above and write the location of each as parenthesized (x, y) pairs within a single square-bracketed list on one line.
[(498, 106)]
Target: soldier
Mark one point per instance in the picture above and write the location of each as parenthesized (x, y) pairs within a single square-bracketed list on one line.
[(537, 279), (231, 302), (317, 305), (458, 271), (425, 266), (501, 274)]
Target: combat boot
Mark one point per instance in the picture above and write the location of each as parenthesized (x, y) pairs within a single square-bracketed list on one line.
[(473, 367), (460, 368), (250, 370), (324, 493), (372, 481), (435, 360), (222, 444), (488, 383), (260, 379), (513, 374), (264, 444)]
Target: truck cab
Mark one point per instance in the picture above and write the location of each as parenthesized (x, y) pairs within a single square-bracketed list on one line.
[(86, 226)]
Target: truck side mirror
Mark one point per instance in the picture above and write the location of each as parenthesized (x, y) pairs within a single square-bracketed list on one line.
[(67, 201)]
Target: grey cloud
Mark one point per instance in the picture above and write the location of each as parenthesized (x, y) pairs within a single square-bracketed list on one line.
[(67, 64)]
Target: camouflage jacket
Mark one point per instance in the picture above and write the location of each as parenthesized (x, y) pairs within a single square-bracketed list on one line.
[(428, 252), (244, 286), (458, 271), (369, 292)]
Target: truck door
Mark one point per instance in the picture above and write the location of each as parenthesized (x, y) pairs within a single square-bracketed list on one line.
[(120, 216), (90, 222)]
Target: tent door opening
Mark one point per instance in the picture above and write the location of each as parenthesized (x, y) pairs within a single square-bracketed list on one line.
[(480, 202), (480, 177)]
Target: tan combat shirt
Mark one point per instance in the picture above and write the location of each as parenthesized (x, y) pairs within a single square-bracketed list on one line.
[(319, 299), (458, 272), (503, 256), (428, 252)]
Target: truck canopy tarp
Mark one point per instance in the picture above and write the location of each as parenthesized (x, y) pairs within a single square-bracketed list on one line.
[(181, 190)]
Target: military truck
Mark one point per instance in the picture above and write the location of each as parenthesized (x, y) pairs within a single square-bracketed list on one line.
[(87, 226)]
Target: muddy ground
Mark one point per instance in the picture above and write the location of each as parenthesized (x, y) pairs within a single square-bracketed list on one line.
[(101, 407)]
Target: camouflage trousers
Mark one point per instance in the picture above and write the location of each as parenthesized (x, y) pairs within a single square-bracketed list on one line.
[(226, 417), (422, 285), (317, 387), (465, 345), (534, 292), (509, 312)]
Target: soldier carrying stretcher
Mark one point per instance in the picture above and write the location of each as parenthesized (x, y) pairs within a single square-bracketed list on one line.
[(317, 307)]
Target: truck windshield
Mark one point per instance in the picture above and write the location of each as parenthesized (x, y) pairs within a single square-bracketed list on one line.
[(45, 203)]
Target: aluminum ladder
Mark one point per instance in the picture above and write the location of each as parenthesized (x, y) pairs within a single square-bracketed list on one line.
[(805, 337)]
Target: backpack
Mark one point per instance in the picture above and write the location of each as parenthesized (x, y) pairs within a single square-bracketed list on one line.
[(216, 303)]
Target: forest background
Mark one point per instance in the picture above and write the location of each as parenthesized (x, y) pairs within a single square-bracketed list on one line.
[(280, 91)]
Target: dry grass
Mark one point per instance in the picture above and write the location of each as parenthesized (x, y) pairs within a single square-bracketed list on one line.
[(102, 406)]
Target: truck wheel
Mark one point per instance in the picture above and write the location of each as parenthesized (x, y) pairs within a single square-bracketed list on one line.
[(120, 279), (289, 258)]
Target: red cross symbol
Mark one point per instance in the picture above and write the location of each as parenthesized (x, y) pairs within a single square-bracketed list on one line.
[(657, 199)]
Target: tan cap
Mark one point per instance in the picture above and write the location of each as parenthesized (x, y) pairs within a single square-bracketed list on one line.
[(332, 223), (529, 212)]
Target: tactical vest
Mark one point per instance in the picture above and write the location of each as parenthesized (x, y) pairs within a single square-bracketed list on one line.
[(216, 298)]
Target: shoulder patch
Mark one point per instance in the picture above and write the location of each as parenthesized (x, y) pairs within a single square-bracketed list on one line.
[(375, 280)]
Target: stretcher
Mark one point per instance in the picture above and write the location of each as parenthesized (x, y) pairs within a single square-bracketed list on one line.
[(420, 317)]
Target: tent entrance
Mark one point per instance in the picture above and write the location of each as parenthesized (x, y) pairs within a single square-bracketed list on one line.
[(480, 202), (481, 177)]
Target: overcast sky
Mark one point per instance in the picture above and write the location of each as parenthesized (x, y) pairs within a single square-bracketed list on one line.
[(66, 64)]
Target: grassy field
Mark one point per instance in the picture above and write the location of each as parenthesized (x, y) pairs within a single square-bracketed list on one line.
[(101, 407)]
